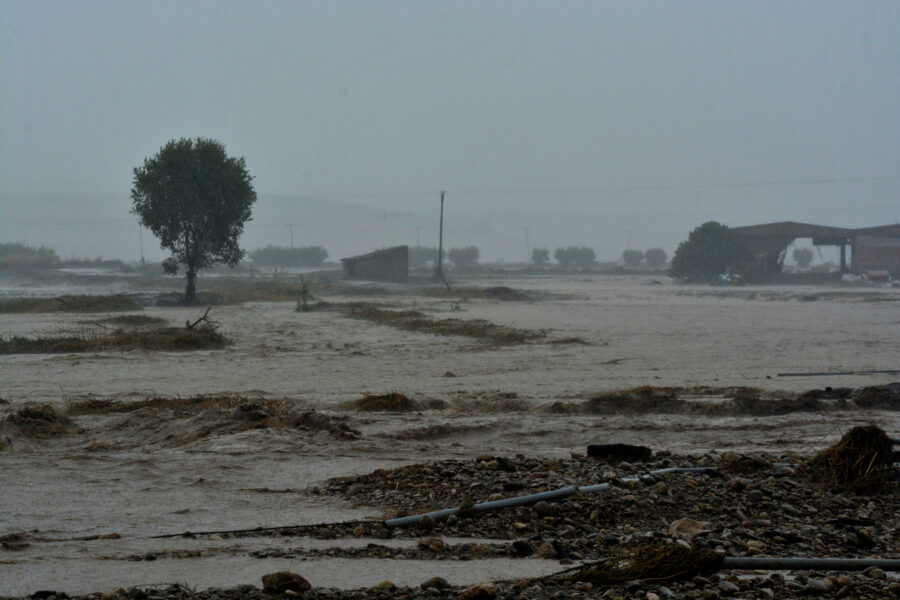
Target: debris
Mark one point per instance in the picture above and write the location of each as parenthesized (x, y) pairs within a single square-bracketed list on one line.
[(671, 562), (861, 461)]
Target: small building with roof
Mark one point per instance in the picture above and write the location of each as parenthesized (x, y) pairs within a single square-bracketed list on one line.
[(390, 264)]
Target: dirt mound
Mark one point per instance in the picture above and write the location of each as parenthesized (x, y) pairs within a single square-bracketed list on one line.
[(638, 400), (391, 402), (861, 461), (185, 420), (411, 320), (505, 294), (40, 421), (158, 339), (759, 407), (82, 303), (741, 464), (886, 397)]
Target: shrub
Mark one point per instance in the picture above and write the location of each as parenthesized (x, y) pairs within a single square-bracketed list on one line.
[(802, 256)]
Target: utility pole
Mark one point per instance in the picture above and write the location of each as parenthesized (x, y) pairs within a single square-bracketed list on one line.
[(141, 238), (291, 227), (439, 272)]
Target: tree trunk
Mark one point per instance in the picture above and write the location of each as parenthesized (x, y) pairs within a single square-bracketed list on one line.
[(190, 292)]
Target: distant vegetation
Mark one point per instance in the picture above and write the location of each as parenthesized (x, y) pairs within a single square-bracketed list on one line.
[(802, 256), (575, 256), (463, 257), (709, 251), (279, 256), (632, 258), (655, 258), (540, 256), (20, 256), (421, 256)]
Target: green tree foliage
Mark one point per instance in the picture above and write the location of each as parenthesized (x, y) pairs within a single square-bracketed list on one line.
[(195, 199), (463, 257), (420, 256), (655, 257), (540, 256), (802, 256), (279, 256), (20, 256), (709, 250), (575, 256), (632, 258)]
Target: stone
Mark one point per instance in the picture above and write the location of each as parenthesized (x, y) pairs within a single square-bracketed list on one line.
[(438, 583), (686, 528), (620, 452), (282, 581), (481, 591)]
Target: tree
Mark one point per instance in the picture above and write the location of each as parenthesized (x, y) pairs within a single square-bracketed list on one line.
[(802, 256), (709, 250), (575, 256), (195, 199), (463, 257), (540, 256), (655, 257), (632, 258)]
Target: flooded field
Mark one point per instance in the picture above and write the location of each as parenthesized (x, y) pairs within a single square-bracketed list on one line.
[(148, 443)]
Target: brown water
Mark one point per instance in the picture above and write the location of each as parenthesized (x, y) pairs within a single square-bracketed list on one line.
[(140, 475)]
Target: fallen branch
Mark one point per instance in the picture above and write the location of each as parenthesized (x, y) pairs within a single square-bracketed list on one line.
[(202, 319)]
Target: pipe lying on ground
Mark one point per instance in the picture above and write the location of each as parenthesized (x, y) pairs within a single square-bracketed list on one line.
[(809, 564), (535, 498)]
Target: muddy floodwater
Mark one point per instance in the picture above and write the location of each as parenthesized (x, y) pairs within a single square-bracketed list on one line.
[(79, 509)]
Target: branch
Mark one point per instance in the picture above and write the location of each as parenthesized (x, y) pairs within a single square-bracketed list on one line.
[(202, 319)]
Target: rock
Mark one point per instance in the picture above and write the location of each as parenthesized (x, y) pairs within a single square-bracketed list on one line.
[(386, 585), (282, 581), (482, 591), (620, 452), (522, 548), (818, 586), (426, 523), (543, 508), (433, 544), (686, 528), (438, 583)]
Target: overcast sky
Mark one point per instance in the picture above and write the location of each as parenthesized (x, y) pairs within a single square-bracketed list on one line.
[(601, 124)]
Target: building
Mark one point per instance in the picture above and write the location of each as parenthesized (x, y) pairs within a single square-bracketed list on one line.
[(870, 248), (390, 264)]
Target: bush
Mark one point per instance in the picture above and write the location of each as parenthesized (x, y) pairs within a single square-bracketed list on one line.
[(709, 250), (463, 257), (420, 256), (632, 258), (575, 256), (655, 257), (279, 256), (540, 256)]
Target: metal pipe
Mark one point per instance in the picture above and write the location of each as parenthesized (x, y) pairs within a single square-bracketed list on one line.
[(809, 564), (535, 498)]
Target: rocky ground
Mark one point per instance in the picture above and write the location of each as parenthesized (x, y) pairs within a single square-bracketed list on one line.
[(746, 506)]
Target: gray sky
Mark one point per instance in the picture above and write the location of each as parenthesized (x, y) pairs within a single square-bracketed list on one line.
[(601, 124)]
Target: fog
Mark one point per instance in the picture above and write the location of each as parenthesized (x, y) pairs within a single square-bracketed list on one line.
[(610, 125)]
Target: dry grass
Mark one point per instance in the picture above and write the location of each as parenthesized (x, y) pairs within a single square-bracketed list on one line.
[(83, 303), (411, 320), (40, 421), (666, 563), (860, 461), (159, 339), (129, 321)]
